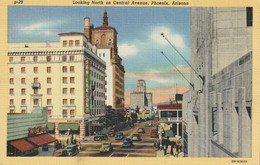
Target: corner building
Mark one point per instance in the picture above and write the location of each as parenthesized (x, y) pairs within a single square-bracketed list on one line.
[(105, 39), (67, 77)]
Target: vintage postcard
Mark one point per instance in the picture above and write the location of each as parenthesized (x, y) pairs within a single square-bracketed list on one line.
[(154, 82)]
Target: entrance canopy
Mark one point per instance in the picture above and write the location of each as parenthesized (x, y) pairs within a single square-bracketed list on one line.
[(22, 145)]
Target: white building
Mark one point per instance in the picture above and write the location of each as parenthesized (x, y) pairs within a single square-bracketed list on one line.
[(217, 111), (67, 77)]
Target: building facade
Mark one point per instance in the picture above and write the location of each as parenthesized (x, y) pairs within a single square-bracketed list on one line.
[(105, 39), (140, 98), (217, 111), (67, 77)]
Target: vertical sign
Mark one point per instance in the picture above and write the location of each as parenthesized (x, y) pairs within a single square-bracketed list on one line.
[(87, 103)]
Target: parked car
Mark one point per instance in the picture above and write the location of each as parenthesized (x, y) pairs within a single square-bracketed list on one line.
[(72, 149), (60, 153), (154, 133), (100, 137), (141, 130), (127, 142), (136, 137), (119, 135), (106, 147), (111, 132)]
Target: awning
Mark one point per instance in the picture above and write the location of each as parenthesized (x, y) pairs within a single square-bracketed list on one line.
[(50, 126), (22, 145), (66, 126), (42, 139)]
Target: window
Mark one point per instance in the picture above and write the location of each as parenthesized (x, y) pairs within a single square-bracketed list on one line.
[(48, 91), (11, 81), (65, 102), (23, 102), (64, 43), (49, 113), (72, 69), (48, 69), (48, 80), (64, 112), (77, 43), (11, 59), (35, 79), (64, 69), (72, 113), (11, 91), (64, 80), (72, 101), (23, 111), (214, 120), (249, 16), (71, 58), (11, 102), (64, 58), (35, 102), (72, 91), (22, 80), (72, 80), (48, 58), (35, 69), (22, 69), (35, 91), (104, 54), (35, 59), (48, 101), (70, 43), (11, 70), (23, 91), (22, 59), (64, 91), (11, 111)]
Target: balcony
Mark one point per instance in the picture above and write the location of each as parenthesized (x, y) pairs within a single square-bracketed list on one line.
[(36, 85)]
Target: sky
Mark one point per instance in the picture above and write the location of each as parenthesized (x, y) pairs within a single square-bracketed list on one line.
[(139, 40)]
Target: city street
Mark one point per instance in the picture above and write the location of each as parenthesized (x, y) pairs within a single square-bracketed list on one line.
[(142, 148)]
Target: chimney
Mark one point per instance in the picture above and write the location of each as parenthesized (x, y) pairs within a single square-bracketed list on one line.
[(87, 28)]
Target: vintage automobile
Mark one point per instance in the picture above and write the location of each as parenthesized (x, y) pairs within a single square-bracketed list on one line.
[(106, 147), (154, 133), (111, 132), (100, 137), (141, 130), (127, 142), (60, 153), (72, 149), (119, 135), (136, 137)]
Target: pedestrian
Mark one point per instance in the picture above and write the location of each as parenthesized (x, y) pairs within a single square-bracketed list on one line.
[(164, 148), (67, 141), (75, 141), (154, 146), (160, 146), (171, 149), (79, 147), (62, 146)]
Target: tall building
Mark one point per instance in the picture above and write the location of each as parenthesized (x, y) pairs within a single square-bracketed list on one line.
[(105, 39), (140, 98), (67, 77), (217, 111)]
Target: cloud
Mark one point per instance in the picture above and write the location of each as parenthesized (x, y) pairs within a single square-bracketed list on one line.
[(175, 39), (126, 50)]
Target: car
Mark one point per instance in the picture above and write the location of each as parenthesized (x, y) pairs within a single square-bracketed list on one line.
[(127, 142), (106, 147), (72, 149), (136, 137), (111, 132), (60, 153), (119, 135), (154, 133), (100, 137), (149, 124), (141, 130)]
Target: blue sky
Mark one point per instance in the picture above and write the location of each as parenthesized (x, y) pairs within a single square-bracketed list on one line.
[(139, 39)]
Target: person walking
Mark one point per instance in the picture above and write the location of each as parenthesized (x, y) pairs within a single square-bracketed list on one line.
[(164, 148), (171, 149)]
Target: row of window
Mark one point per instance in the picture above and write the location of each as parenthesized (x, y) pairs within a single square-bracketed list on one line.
[(35, 69), (48, 59), (49, 102), (49, 91), (49, 80), (96, 75), (71, 43), (97, 85)]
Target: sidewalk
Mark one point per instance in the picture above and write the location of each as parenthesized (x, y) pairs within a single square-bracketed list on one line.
[(161, 154)]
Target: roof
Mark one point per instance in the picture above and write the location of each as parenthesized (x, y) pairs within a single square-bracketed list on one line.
[(104, 27), (71, 34), (22, 145), (170, 106)]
